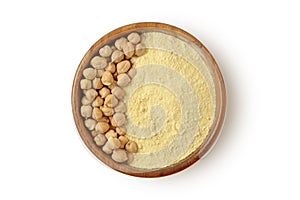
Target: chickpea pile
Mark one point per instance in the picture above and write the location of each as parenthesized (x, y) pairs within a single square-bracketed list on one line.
[(103, 108)]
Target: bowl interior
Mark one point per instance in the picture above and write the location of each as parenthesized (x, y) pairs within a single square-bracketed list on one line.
[(220, 103)]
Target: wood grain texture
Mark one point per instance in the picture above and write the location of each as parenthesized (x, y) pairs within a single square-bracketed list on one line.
[(213, 132)]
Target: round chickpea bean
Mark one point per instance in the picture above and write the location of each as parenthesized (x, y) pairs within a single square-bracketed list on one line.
[(111, 67), (89, 73), (113, 142), (104, 92), (131, 147), (106, 148), (97, 102), (120, 131), (105, 51), (97, 114), (123, 140), (100, 139), (86, 111), (120, 43), (107, 111), (85, 101), (97, 84), (134, 38), (102, 127), (85, 84), (98, 62), (91, 94), (107, 78), (119, 155), (123, 80), (118, 92), (90, 124), (119, 119), (128, 50), (117, 56), (123, 66), (111, 133), (111, 101)]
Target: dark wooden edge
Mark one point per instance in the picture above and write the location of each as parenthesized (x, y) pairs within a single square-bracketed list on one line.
[(192, 158)]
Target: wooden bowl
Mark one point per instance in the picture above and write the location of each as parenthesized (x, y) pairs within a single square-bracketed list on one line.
[(214, 129)]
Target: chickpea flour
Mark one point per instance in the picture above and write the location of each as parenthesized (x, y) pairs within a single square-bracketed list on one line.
[(170, 101)]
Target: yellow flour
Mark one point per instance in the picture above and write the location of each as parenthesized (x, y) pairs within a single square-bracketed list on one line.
[(169, 116)]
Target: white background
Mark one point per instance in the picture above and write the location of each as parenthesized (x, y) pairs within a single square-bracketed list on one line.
[(256, 44)]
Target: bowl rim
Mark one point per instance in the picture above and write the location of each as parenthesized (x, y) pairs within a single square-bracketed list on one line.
[(214, 131)]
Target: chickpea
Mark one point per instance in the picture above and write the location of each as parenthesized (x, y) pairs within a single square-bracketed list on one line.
[(98, 62), (140, 49), (102, 127), (123, 66), (123, 140), (100, 139), (119, 119), (86, 111), (107, 78), (131, 147), (120, 43), (104, 92), (106, 148), (128, 50), (85, 101), (111, 67), (111, 133), (107, 111), (105, 51), (123, 80), (120, 131), (111, 101), (91, 94), (117, 56), (85, 84), (89, 73), (118, 92), (134, 38), (97, 114), (90, 124), (98, 102), (97, 84), (113, 142), (119, 155)]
